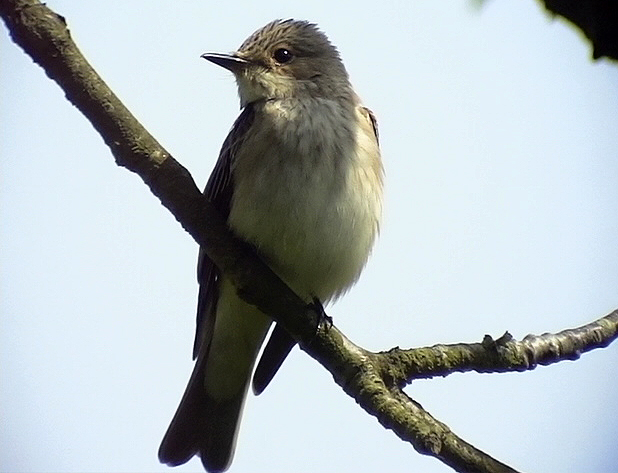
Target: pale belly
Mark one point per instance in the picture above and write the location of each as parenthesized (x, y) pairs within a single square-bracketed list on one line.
[(314, 229), (308, 193)]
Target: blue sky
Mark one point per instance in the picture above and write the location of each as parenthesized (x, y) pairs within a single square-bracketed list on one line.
[(499, 140)]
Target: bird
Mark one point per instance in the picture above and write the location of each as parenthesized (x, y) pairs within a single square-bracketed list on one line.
[(300, 179)]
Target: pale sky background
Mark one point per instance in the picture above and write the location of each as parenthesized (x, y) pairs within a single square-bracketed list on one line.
[(500, 139)]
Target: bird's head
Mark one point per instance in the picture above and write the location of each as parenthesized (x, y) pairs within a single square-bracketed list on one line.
[(284, 59)]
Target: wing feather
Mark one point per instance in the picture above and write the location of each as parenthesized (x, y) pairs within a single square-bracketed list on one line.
[(218, 190)]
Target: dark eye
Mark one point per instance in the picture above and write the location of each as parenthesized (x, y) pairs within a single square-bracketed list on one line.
[(283, 55)]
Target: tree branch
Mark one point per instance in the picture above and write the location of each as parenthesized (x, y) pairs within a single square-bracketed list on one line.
[(373, 380), (503, 355)]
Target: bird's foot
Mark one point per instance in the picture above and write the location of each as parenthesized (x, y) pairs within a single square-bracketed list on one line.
[(323, 318)]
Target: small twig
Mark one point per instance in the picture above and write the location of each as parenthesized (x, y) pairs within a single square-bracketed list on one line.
[(400, 367)]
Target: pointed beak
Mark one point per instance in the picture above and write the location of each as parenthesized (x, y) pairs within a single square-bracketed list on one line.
[(231, 62)]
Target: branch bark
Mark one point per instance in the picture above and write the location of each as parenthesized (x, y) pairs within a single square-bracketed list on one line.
[(503, 355), (374, 380)]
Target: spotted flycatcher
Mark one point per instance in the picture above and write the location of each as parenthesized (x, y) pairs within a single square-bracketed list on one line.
[(299, 177)]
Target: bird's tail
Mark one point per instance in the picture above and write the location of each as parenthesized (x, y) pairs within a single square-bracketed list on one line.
[(203, 426)]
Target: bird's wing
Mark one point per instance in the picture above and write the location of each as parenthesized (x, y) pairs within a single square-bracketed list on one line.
[(204, 425), (277, 349), (219, 190), (374, 122)]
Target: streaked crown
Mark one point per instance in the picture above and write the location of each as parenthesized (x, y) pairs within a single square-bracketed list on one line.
[(287, 58)]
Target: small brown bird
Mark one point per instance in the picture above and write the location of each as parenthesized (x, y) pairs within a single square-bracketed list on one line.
[(299, 177)]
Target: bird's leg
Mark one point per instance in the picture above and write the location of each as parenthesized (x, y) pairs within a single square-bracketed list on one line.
[(323, 318)]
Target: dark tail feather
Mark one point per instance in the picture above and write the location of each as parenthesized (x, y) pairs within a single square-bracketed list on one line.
[(202, 426), (277, 349)]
